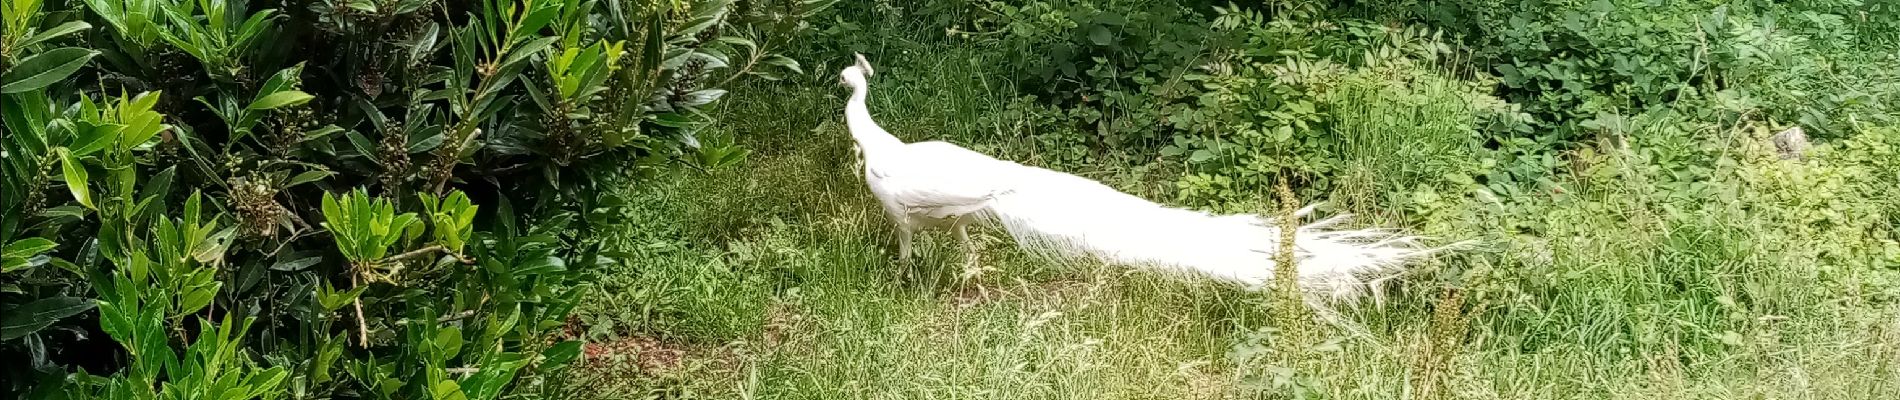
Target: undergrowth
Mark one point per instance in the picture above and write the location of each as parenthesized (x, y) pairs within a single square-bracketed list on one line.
[(1675, 265)]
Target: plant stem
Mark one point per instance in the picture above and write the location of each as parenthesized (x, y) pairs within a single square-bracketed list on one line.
[(362, 324), (1286, 275), (750, 61), (440, 320), (416, 253)]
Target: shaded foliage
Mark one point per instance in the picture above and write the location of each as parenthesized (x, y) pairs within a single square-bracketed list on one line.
[(336, 198)]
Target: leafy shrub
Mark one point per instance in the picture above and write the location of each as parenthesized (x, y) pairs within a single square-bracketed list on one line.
[(1237, 94), (1569, 61), (210, 197), (1684, 245), (1114, 68), (1303, 111)]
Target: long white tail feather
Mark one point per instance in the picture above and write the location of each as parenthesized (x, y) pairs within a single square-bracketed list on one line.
[(1057, 215)]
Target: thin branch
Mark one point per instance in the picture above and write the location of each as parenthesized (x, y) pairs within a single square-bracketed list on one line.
[(299, 234), (444, 319), (417, 253), (758, 53), (752, 61), (362, 324), (455, 317)]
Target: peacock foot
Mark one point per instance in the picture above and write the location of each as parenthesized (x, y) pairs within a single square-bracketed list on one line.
[(906, 269)]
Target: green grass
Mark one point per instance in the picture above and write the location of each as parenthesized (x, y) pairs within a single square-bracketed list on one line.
[(773, 279)]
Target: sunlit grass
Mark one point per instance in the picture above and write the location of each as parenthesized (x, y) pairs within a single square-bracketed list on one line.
[(776, 279)]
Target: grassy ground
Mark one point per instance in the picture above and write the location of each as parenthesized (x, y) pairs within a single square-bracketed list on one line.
[(774, 279)]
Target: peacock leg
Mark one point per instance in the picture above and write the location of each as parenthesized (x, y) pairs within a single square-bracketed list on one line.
[(903, 242), (969, 247), (971, 259), (904, 266)]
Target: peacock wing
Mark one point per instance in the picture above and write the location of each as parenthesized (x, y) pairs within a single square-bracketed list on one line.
[(937, 175)]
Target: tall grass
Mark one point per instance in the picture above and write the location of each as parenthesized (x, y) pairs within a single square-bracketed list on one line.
[(1400, 137), (1416, 131)]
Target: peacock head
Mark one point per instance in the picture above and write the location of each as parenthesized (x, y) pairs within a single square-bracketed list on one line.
[(854, 76)]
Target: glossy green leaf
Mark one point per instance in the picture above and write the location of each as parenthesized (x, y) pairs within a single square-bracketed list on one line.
[(703, 97), (140, 120), (264, 382), (537, 18), (541, 265), (283, 79), (327, 354), (28, 247), (497, 371), (784, 62), (33, 316), (674, 120), (11, 263), (447, 343), (44, 69), (89, 138), (280, 99), (75, 174), (159, 185), (294, 265), (560, 354), (527, 49), (197, 298), (67, 28), (446, 390), (308, 176)]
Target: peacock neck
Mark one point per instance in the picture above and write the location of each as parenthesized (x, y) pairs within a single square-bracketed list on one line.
[(857, 117)]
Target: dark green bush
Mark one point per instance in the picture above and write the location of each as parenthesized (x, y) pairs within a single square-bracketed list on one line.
[(336, 198), (1114, 68), (1570, 61), (1240, 95)]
